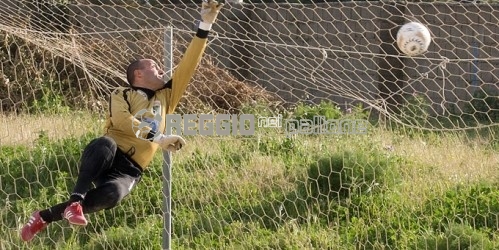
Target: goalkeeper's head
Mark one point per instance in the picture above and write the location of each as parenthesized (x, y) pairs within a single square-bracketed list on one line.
[(145, 73)]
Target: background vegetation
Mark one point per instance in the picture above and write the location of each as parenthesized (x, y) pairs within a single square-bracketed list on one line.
[(388, 189), (397, 187)]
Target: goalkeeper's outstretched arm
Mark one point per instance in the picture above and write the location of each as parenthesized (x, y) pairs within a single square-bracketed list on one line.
[(182, 75)]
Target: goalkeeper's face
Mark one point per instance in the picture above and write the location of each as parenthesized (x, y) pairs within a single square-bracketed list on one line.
[(151, 75)]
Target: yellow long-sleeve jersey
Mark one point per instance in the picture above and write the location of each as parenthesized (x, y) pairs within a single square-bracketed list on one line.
[(128, 103)]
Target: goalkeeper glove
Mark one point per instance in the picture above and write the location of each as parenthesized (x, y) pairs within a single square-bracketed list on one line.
[(170, 143), (209, 13)]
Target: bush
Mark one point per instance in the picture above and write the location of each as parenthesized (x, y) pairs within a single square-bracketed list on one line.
[(38, 80), (476, 205), (30, 170), (326, 109), (49, 100), (349, 173), (455, 236)]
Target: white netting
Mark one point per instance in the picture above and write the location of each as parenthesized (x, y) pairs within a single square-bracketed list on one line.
[(400, 186)]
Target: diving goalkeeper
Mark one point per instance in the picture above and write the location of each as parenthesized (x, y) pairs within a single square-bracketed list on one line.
[(115, 161)]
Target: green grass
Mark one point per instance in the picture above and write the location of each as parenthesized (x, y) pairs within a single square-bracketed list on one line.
[(383, 190)]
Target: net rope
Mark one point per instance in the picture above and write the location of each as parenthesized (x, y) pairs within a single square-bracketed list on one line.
[(422, 177)]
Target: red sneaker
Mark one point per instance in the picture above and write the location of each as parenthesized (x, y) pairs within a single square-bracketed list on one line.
[(74, 214), (34, 225)]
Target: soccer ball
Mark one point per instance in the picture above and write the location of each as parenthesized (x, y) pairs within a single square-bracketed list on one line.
[(413, 38)]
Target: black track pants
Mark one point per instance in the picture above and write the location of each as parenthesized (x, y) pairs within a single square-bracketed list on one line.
[(113, 174)]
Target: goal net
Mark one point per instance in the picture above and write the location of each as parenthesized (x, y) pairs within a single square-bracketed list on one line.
[(421, 176)]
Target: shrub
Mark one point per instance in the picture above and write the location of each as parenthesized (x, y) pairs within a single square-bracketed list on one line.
[(455, 236), (49, 100), (348, 173), (476, 205), (308, 111)]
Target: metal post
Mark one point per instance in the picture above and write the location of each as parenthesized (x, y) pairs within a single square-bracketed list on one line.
[(167, 163)]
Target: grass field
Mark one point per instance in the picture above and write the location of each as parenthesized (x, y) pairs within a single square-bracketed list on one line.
[(23, 129), (388, 189)]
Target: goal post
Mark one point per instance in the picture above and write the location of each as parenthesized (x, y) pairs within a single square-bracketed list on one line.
[(167, 157)]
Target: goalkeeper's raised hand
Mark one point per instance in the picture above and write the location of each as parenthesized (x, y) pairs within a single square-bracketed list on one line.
[(209, 13)]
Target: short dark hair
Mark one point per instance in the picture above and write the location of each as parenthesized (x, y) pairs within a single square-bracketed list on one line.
[(135, 65)]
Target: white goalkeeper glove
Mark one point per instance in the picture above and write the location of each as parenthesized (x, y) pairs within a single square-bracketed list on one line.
[(171, 143), (209, 13)]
